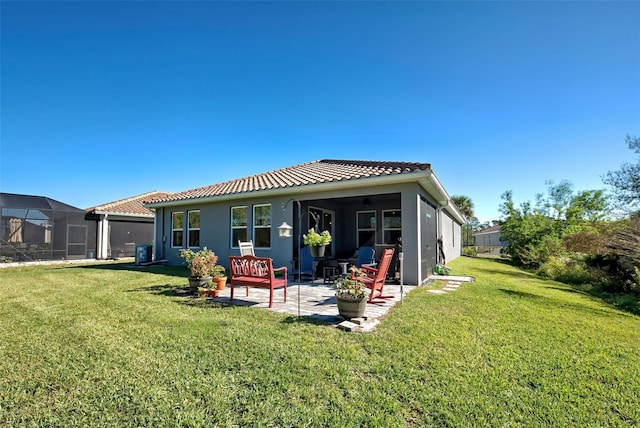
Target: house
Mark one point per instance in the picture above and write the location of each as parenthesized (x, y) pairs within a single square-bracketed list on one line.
[(123, 224), (489, 240), (41, 228), (383, 204)]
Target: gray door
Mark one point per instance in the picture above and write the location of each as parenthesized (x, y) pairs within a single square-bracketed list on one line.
[(428, 238)]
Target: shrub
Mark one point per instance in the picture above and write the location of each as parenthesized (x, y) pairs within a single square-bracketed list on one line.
[(202, 263), (470, 251)]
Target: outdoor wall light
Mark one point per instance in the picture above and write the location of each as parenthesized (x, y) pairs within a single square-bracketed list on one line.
[(284, 231)]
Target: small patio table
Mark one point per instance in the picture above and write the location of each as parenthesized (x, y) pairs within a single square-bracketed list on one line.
[(344, 265)]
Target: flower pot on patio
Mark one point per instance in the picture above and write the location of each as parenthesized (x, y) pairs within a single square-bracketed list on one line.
[(221, 282), (198, 282), (351, 294), (351, 308)]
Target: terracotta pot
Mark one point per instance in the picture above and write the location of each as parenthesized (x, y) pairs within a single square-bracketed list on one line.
[(220, 282), (351, 308)]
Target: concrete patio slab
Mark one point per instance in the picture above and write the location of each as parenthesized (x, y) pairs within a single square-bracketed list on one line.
[(310, 299)]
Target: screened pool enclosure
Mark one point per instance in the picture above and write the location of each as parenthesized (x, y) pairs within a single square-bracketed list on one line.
[(40, 228)]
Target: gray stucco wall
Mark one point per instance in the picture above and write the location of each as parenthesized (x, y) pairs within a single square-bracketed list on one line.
[(215, 231), (452, 236), (489, 240)]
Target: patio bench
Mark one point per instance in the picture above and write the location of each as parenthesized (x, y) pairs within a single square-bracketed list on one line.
[(252, 271)]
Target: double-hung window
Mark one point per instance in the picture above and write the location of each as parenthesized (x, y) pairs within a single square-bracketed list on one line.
[(262, 225), (366, 228), (177, 229), (194, 228), (238, 225), (391, 226)]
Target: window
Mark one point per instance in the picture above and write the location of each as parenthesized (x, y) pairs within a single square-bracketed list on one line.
[(366, 224), (238, 225), (194, 228), (177, 229), (391, 226), (262, 226)]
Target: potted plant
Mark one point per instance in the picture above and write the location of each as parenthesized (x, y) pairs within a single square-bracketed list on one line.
[(204, 291), (317, 241), (203, 265), (220, 278), (351, 294)]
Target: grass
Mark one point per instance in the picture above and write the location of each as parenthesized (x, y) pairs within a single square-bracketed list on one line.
[(101, 345)]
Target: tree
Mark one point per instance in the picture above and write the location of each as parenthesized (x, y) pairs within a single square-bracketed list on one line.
[(534, 233), (626, 181), (472, 226), (465, 205)]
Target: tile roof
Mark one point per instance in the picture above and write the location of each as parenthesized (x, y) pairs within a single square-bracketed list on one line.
[(316, 172), (491, 229), (133, 205)]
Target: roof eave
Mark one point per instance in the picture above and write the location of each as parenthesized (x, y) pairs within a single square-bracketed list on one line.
[(116, 213), (433, 186)]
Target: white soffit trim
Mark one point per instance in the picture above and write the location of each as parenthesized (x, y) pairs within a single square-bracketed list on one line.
[(115, 213)]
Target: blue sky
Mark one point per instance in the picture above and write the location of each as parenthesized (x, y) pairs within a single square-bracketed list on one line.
[(106, 100)]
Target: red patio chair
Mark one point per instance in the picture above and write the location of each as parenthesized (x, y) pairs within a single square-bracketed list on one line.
[(375, 278)]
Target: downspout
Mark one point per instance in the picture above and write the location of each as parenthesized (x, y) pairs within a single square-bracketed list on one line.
[(440, 238)]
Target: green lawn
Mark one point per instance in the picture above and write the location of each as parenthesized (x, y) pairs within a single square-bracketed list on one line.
[(102, 345)]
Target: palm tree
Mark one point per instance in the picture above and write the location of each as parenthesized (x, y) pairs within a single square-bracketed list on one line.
[(465, 205)]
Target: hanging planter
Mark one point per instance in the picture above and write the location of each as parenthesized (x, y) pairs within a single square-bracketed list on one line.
[(317, 241), (317, 250)]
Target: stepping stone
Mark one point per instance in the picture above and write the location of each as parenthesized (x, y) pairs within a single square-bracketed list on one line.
[(436, 291), (449, 289), (349, 326), (370, 326)]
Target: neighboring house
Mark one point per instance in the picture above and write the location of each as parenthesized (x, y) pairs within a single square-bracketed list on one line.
[(489, 240), (123, 224), (359, 202), (41, 228)]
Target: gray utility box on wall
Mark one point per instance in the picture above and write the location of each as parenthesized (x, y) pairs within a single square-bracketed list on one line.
[(144, 253)]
